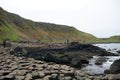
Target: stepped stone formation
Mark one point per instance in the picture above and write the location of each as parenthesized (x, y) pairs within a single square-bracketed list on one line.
[(21, 68)]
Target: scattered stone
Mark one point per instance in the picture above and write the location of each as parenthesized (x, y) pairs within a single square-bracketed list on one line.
[(53, 75), (98, 77), (20, 77), (46, 77), (22, 72), (14, 67), (61, 75), (4, 73), (45, 66), (30, 68), (9, 77), (78, 77), (68, 78), (110, 77), (117, 77), (87, 79), (34, 73), (39, 62), (3, 78), (28, 77), (41, 74)]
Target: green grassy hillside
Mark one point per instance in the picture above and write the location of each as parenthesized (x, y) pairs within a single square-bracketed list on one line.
[(109, 40), (14, 27)]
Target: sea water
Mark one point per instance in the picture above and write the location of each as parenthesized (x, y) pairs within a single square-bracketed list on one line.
[(99, 69)]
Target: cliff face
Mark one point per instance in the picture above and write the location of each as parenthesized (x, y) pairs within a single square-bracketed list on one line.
[(14, 27)]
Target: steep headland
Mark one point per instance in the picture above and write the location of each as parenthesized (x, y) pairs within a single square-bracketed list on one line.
[(14, 27)]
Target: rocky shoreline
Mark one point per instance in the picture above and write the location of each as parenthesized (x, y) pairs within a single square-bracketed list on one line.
[(36, 63), (14, 67)]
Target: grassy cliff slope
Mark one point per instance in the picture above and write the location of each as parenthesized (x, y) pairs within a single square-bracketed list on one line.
[(15, 28)]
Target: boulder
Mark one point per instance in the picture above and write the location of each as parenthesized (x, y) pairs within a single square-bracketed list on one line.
[(115, 67), (118, 51), (107, 71), (100, 60), (18, 51)]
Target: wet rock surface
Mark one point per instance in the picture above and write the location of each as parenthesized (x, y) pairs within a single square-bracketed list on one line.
[(101, 60), (67, 55), (78, 61), (35, 63), (115, 67), (21, 68), (118, 51)]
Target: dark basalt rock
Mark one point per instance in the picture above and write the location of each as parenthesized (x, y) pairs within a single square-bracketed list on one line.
[(115, 67), (100, 60), (78, 61), (107, 71), (74, 54), (19, 51), (118, 51), (89, 48)]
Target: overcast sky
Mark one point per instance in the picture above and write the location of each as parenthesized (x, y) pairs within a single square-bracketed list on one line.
[(98, 17)]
